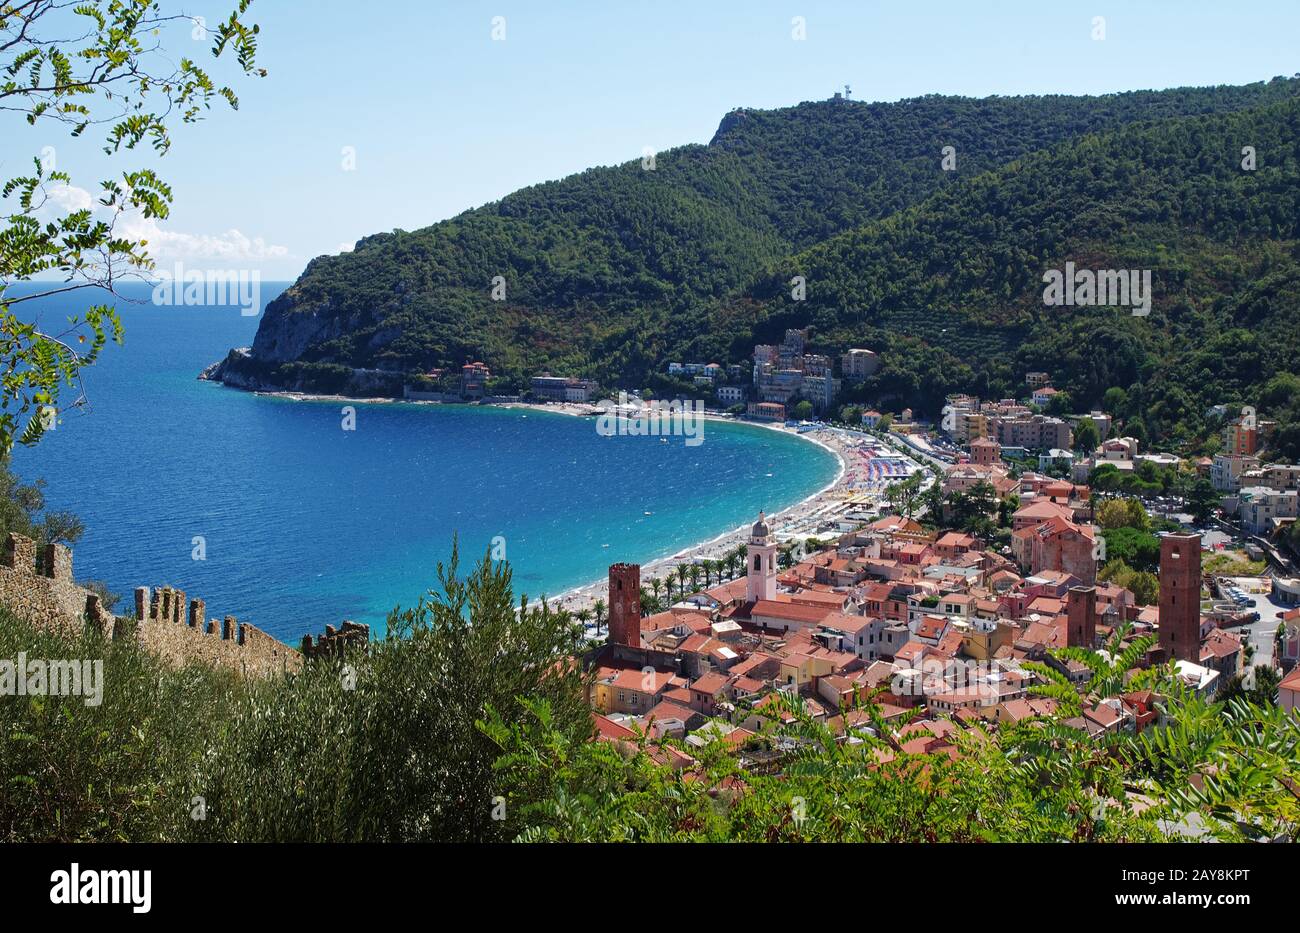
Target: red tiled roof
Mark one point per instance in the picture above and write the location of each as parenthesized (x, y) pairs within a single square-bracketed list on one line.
[(710, 683), (666, 709), (793, 612), (608, 729)]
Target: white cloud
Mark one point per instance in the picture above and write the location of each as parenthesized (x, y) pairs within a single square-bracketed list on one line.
[(168, 245), (231, 246), (69, 198)]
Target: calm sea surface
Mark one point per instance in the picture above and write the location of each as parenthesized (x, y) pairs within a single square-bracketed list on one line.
[(306, 524)]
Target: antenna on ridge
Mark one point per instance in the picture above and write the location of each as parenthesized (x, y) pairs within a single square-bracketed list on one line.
[(848, 92)]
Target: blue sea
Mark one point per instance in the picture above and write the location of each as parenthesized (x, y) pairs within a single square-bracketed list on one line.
[(304, 523)]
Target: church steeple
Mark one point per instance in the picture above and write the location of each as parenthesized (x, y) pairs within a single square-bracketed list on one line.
[(760, 575)]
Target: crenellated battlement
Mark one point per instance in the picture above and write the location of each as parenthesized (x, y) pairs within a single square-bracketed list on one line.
[(178, 628), (166, 622), (43, 595), (20, 556)]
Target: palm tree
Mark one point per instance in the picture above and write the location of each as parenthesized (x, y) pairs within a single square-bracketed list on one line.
[(732, 560), (694, 574), (599, 607), (683, 571), (656, 585), (584, 616), (933, 499)]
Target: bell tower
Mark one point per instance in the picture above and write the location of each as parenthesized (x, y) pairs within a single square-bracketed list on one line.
[(760, 560)]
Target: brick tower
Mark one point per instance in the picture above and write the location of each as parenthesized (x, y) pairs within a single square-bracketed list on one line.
[(1180, 597), (625, 605), (1082, 608)]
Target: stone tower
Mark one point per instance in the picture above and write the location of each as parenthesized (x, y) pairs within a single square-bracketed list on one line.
[(625, 605), (1180, 597), (1082, 608), (760, 577)]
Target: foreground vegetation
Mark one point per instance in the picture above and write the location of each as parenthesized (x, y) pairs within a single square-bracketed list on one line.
[(469, 723), (380, 746)]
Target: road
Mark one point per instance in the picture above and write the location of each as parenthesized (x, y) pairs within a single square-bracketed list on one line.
[(1261, 633)]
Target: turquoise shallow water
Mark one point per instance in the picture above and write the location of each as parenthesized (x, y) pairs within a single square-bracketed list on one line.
[(307, 524)]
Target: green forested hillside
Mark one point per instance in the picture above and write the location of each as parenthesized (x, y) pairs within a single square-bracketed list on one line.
[(952, 291), (613, 272)]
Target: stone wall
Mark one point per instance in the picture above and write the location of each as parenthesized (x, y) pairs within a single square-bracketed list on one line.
[(48, 599), (165, 623), (180, 632)]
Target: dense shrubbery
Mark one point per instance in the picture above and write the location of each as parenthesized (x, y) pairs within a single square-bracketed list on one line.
[(386, 748), (1234, 766)]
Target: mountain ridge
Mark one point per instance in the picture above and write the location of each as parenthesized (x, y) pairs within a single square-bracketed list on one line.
[(610, 271)]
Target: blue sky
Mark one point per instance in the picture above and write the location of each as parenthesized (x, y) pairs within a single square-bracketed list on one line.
[(443, 118)]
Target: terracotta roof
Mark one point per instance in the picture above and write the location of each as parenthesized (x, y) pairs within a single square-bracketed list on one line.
[(608, 729), (846, 623), (666, 709), (726, 592), (678, 695), (1103, 715), (710, 683), (912, 650), (1220, 644), (635, 679), (1044, 510), (818, 597), (931, 627), (793, 612)]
